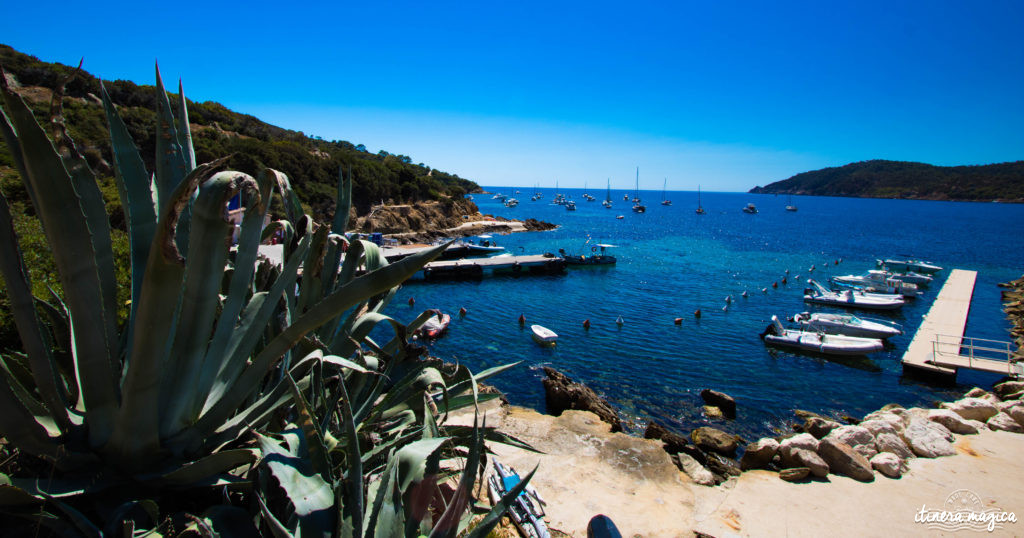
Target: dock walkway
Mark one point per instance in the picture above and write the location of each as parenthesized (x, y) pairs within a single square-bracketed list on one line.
[(936, 348), (475, 267)]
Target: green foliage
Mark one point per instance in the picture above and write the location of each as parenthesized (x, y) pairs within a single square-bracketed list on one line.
[(895, 179)]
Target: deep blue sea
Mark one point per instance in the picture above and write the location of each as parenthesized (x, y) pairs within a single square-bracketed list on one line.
[(672, 261)]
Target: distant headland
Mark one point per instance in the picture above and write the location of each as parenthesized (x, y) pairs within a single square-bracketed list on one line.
[(1003, 182)]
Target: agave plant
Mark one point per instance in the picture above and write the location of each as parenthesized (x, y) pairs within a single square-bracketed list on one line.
[(205, 355)]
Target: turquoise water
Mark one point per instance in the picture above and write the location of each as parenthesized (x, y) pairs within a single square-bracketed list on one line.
[(672, 262)]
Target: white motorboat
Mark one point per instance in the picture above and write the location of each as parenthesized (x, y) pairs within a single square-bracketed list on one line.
[(435, 326), (543, 335), (846, 324), (912, 277), (751, 208), (851, 298), (909, 265), (570, 206), (880, 281), (819, 342)]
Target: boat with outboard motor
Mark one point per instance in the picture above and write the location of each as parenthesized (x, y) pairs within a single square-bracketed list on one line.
[(527, 508), (435, 325), (819, 342), (851, 298), (750, 208), (916, 266), (878, 281), (847, 324), (597, 257)]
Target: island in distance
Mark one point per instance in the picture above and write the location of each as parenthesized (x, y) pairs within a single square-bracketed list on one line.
[(1003, 182)]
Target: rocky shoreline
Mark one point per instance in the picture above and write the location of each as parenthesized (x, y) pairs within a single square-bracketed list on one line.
[(424, 222), (1013, 305)]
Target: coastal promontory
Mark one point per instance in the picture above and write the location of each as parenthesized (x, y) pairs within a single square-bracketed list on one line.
[(1002, 182)]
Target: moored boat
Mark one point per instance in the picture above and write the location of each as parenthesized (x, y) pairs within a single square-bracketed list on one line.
[(597, 257), (851, 298), (543, 336), (917, 266), (750, 208), (880, 281), (819, 342), (847, 324), (435, 326)]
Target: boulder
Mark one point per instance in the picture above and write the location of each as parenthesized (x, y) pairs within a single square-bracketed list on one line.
[(892, 443), (805, 441), (1004, 422), (877, 425), (694, 470), (843, 459), (976, 392), (972, 408), (715, 440), (711, 411), (868, 451), (853, 435), (1008, 388), (888, 464), (1015, 396), (759, 454), (1016, 413), (674, 443), (720, 400), (819, 427), (561, 393), (1004, 406), (805, 458), (795, 474), (952, 421), (804, 415), (722, 467), (894, 420), (927, 440), (890, 407)]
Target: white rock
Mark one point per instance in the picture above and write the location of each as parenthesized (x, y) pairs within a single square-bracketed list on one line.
[(1017, 413), (1004, 422), (890, 442), (926, 439), (695, 470), (972, 408), (853, 435), (866, 450), (888, 464), (952, 421), (1008, 404), (877, 426), (805, 441)]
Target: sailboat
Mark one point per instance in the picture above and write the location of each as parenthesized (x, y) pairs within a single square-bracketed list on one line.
[(700, 208), (664, 200), (607, 203), (637, 206), (789, 203), (586, 195)]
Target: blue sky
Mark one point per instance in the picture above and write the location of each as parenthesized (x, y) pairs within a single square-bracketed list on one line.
[(727, 95)]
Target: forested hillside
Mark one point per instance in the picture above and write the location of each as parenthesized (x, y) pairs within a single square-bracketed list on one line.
[(898, 179), (311, 163)]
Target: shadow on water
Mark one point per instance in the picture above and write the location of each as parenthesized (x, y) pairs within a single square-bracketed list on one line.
[(858, 362)]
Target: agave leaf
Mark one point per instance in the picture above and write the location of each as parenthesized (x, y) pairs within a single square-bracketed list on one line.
[(348, 295), (171, 164), (19, 425), (276, 527), (353, 500), (342, 207), (310, 495), (82, 523), (312, 271), (315, 443), (137, 431), (386, 517), (185, 130), (204, 270), (213, 464), (12, 496), (486, 525), (292, 206), (448, 523), (463, 386), (241, 282), (490, 434), (362, 327), (68, 234), (136, 189), (44, 369), (464, 401)]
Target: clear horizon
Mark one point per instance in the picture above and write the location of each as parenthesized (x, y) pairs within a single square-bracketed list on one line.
[(725, 96)]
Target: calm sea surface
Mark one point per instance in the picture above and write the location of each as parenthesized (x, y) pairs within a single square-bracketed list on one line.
[(672, 261)]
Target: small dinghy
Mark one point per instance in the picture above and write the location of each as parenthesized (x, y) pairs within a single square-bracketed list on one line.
[(851, 299), (816, 342), (543, 335), (846, 324), (435, 326), (527, 510)]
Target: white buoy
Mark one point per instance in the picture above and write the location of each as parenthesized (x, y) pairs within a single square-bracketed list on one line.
[(764, 290), (744, 294), (619, 321), (725, 308), (728, 299)]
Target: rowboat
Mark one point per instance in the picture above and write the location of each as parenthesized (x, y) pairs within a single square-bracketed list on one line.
[(543, 335)]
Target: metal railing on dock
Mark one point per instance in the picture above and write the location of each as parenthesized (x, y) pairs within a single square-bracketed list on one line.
[(976, 354)]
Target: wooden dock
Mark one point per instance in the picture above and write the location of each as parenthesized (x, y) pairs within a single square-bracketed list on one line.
[(937, 348), (476, 267)]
